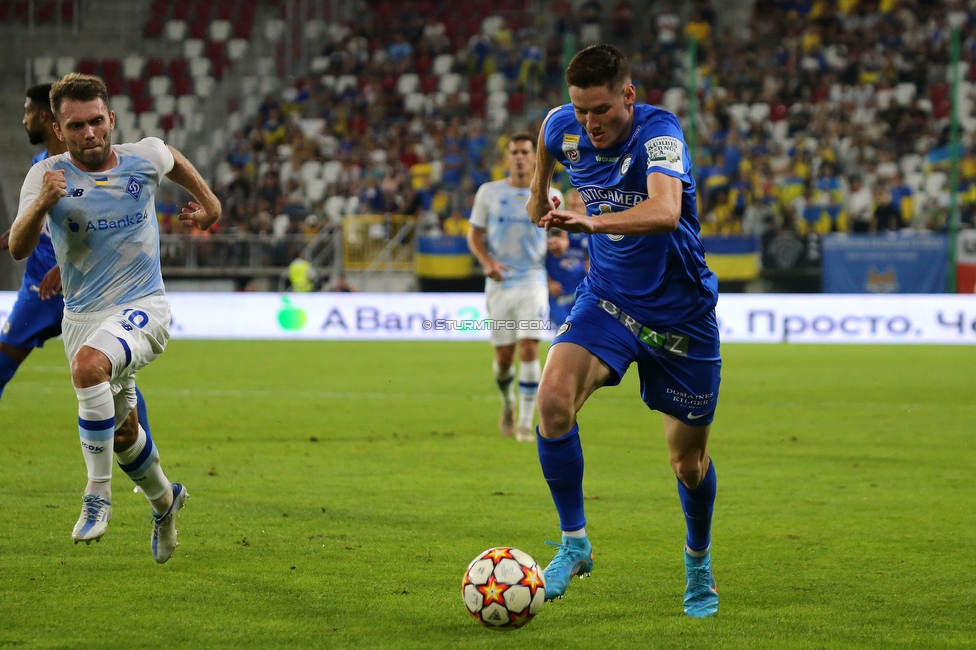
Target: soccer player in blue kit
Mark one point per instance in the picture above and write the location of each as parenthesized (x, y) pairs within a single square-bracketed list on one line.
[(566, 264), (36, 316), (649, 298), (98, 199)]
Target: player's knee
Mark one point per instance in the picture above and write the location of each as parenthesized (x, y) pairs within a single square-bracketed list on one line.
[(90, 368), (689, 468), (528, 350), (556, 411)]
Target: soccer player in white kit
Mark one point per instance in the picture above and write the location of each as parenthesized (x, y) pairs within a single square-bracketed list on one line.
[(514, 262), (98, 201)]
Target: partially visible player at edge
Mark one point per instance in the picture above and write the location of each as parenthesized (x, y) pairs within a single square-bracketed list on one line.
[(566, 263), (513, 259), (99, 201), (36, 316), (649, 298)]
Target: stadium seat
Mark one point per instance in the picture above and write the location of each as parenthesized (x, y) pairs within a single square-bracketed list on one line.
[(311, 169), (164, 104), (266, 66), (142, 105), (335, 207), (759, 112), (654, 96), (200, 67), (905, 93), (496, 82), (413, 103), (137, 88), (497, 99), (182, 86), (268, 85), (311, 126), (449, 83), (42, 66), (121, 104), (203, 86), (64, 64), (314, 30), (236, 48), (315, 190), (497, 117), (88, 66), (408, 83), (114, 86), (331, 171), (274, 29), (175, 31), (177, 137), (934, 183), (155, 67), (477, 82), (111, 68), (477, 102), (192, 48), (319, 64), (124, 118), (443, 63), (132, 66), (186, 105), (516, 103), (346, 82), (428, 84), (160, 85), (154, 27), (178, 67), (220, 31), (674, 98)]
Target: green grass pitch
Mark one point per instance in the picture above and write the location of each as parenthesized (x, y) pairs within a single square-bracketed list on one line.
[(339, 490)]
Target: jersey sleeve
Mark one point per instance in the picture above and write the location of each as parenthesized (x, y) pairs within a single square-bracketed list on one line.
[(155, 151), (479, 211), (552, 129), (664, 149), (32, 185)]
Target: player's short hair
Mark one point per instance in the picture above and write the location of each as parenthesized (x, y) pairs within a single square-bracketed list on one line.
[(40, 96), (598, 65), (77, 87), (523, 136)]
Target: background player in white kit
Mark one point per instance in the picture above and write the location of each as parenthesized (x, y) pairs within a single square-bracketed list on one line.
[(99, 200), (514, 262)]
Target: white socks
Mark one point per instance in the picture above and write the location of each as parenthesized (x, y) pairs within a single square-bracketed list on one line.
[(529, 374), (141, 463), (96, 427)]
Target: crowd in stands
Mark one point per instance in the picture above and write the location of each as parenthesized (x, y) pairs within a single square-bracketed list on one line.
[(825, 117)]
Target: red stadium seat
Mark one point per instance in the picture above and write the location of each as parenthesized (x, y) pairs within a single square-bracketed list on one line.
[(88, 66), (654, 96), (181, 10), (478, 100), (114, 85), (422, 64), (243, 27), (198, 29), (941, 109), (778, 112), (182, 86), (154, 27), (111, 68), (225, 10), (477, 82), (428, 83), (155, 67), (141, 104), (169, 121), (44, 12), (178, 68), (137, 87), (938, 92), (67, 12), (516, 103), (214, 50)]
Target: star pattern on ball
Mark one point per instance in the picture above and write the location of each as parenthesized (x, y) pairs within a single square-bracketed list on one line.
[(500, 553), (532, 579), (520, 619), (493, 592)]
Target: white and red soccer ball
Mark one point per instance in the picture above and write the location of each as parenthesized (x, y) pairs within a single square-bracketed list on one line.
[(503, 588)]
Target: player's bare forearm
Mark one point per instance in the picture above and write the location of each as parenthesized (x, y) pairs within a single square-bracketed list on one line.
[(25, 232), (476, 244), (186, 175), (659, 213), (4, 240), (539, 202)]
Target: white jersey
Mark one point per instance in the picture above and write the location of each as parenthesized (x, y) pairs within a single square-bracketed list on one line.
[(104, 229), (513, 240)]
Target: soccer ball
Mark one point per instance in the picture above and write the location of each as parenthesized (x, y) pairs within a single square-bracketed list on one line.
[(503, 588)]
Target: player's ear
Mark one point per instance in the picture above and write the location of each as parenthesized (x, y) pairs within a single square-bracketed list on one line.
[(630, 95), (111, 120), (57, 130)]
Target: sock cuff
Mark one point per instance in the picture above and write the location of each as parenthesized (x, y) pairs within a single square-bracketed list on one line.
[(530, 372), (509, 373), (126, 456), (561, 440)]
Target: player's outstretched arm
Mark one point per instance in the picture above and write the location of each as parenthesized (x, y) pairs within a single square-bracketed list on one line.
[(539, 203), (40, 193), (205, 213), (660, 213)]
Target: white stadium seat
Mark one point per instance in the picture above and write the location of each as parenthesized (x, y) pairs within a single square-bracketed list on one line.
[(132, 66), (274, 29), (164, 104), (203, 86), (331, 171), (905, 93), (148, 120), (265, 66), (314, 30), (249, 86), (319, 64), (346, 82), (269, 85), (42, 66), (443, 63), (199, 67), (175, 31), (220, 30), (121, 104), (408, 83), (496, 81), (311, 169), (315, 191), (186, 105), (413, 103), (449, 83), (159, 86), (236, 48), (192, 48), (64, 64)]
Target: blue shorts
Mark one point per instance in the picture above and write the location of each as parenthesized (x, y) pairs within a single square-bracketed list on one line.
[(683, 385), (32, 320), (560, 307)]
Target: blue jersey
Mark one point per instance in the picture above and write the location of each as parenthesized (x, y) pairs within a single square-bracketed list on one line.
[(104, 229), (569, 269), (42, 259), (657, 279)]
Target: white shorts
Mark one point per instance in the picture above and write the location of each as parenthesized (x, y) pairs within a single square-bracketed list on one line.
[(518, 313), (130, 335)]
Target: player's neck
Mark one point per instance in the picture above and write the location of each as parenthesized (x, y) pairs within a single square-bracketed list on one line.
[(521, 181), (110, 163)]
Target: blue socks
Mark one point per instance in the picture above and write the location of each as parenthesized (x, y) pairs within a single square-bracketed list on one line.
[(562, 465), (697, 505), (8, 368), (141, 411)]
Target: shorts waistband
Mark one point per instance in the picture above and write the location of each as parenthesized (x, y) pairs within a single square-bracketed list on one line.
[(102, 314), (673, 343)]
